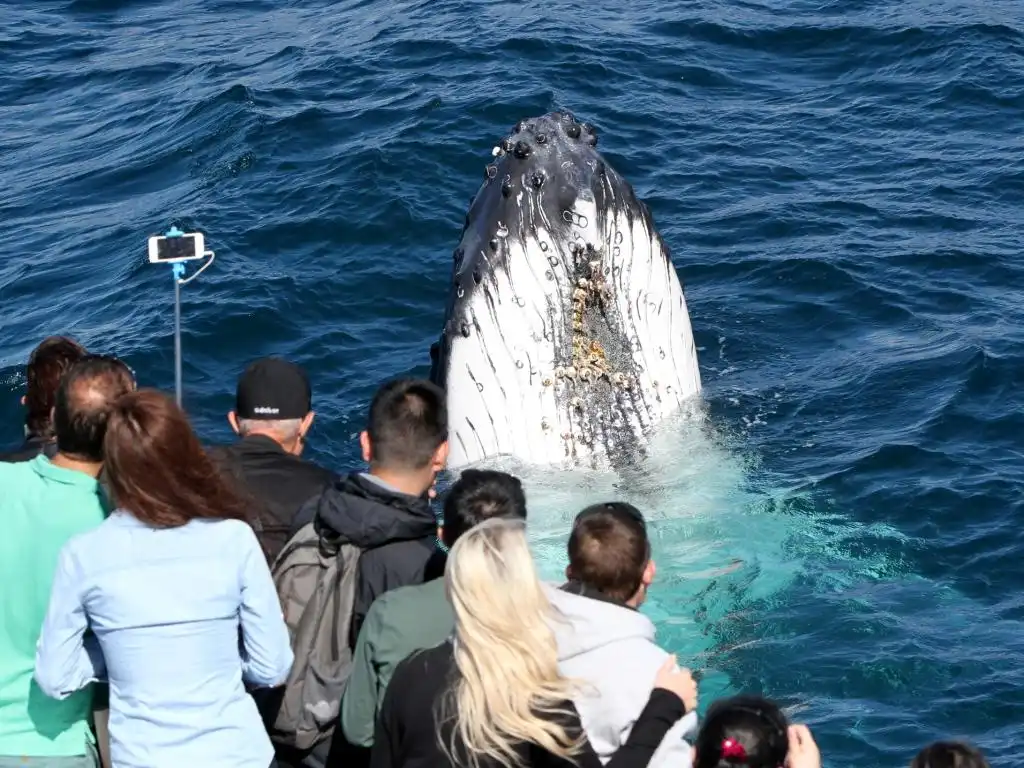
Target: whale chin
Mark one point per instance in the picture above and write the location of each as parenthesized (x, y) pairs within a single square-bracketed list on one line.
[(566, 337)]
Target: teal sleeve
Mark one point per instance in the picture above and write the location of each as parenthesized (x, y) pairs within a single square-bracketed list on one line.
[(359, 703)]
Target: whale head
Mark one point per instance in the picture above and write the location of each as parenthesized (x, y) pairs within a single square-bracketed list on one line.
[(566, 336)]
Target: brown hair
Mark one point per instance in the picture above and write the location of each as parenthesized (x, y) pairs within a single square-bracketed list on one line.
[(85, 396), (949, 754), (46, 366), (157, 469), (609, 549)]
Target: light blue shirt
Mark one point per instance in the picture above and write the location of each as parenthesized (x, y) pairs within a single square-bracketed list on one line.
[(182, 616)]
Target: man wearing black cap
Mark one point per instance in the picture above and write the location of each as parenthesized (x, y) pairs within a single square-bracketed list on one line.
[(273, 414)]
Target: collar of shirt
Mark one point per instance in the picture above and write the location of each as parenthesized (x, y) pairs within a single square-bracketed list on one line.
[(43, 467)]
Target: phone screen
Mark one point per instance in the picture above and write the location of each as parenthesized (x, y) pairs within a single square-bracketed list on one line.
[(183, 247)]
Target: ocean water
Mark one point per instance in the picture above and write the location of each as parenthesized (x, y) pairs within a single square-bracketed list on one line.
[(841, 185)]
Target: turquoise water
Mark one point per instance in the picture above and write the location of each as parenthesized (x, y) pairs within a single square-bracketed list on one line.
[(840, 184)]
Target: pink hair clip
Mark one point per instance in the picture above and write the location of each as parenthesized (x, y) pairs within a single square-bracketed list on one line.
[(733, 750)]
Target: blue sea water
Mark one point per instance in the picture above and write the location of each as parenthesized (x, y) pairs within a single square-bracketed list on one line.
[(840, 182)]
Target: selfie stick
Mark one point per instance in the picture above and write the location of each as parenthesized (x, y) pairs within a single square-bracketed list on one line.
[(178, 271)]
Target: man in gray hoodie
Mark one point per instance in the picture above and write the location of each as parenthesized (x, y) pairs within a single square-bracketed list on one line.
[(603, 640)]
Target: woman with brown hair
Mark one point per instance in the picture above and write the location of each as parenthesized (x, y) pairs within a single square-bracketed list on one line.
[(175, 589), (46, 366)]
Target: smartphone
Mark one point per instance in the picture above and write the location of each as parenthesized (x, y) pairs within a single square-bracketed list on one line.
[(168, 250)]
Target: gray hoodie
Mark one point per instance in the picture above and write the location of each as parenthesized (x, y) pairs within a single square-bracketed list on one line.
[(610, 648)]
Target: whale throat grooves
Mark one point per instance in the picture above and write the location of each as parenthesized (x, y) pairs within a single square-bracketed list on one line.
[(566, 336)]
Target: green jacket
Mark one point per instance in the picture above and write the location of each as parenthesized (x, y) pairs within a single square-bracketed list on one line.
[(399, 622), (42, 506)]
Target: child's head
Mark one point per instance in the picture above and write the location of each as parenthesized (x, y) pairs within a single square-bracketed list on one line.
[(949, 754), (742, 731)]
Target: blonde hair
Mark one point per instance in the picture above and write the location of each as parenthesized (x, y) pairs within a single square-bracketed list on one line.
[(505, 651)]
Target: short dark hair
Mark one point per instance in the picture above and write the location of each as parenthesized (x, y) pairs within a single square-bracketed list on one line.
[(156, 466), (949, 754), (755, 723), (46, 367), (408, 421), (478, 495), (609, 549)]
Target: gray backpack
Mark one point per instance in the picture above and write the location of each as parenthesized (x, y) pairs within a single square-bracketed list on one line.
[(315, 576)]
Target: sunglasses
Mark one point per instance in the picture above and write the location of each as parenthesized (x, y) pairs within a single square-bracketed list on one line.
[(618, 507)]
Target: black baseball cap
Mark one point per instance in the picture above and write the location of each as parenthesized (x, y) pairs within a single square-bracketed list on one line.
[(272, 388)]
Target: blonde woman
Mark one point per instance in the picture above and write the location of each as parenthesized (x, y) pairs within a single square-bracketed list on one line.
[(491, 695)]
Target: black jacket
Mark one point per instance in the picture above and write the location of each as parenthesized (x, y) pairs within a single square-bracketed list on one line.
[(397, 533), (276, 482), (407, 727), (32, 447)]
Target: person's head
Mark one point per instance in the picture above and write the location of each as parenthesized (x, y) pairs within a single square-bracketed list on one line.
[(609, 551), (83, 404), (274, 399), (406, 438), (478, 495), (505, 649), (46, 367), (157, 469), (949, 754), (746, 731)]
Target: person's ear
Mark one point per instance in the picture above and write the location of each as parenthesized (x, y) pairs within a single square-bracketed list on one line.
[(649, 572), (364, 443), (23, 400), (306, 424), (233, 421), (440, 458), (568, 573)]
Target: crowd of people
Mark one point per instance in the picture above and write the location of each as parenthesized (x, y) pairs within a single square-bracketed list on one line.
[(167, 603)]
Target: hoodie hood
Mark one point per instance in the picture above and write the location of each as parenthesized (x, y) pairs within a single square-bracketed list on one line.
[(593, 621), (369, 515)]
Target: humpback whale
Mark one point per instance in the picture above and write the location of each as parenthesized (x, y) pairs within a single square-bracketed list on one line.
[(566, 335)]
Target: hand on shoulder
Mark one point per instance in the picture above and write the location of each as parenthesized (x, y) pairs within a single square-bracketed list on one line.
[(679, 681)]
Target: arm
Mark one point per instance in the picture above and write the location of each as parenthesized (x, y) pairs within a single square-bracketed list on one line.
[(663, 710), (359, 704), (386, 752), (67, 660), (268, 652), (674, 749)]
